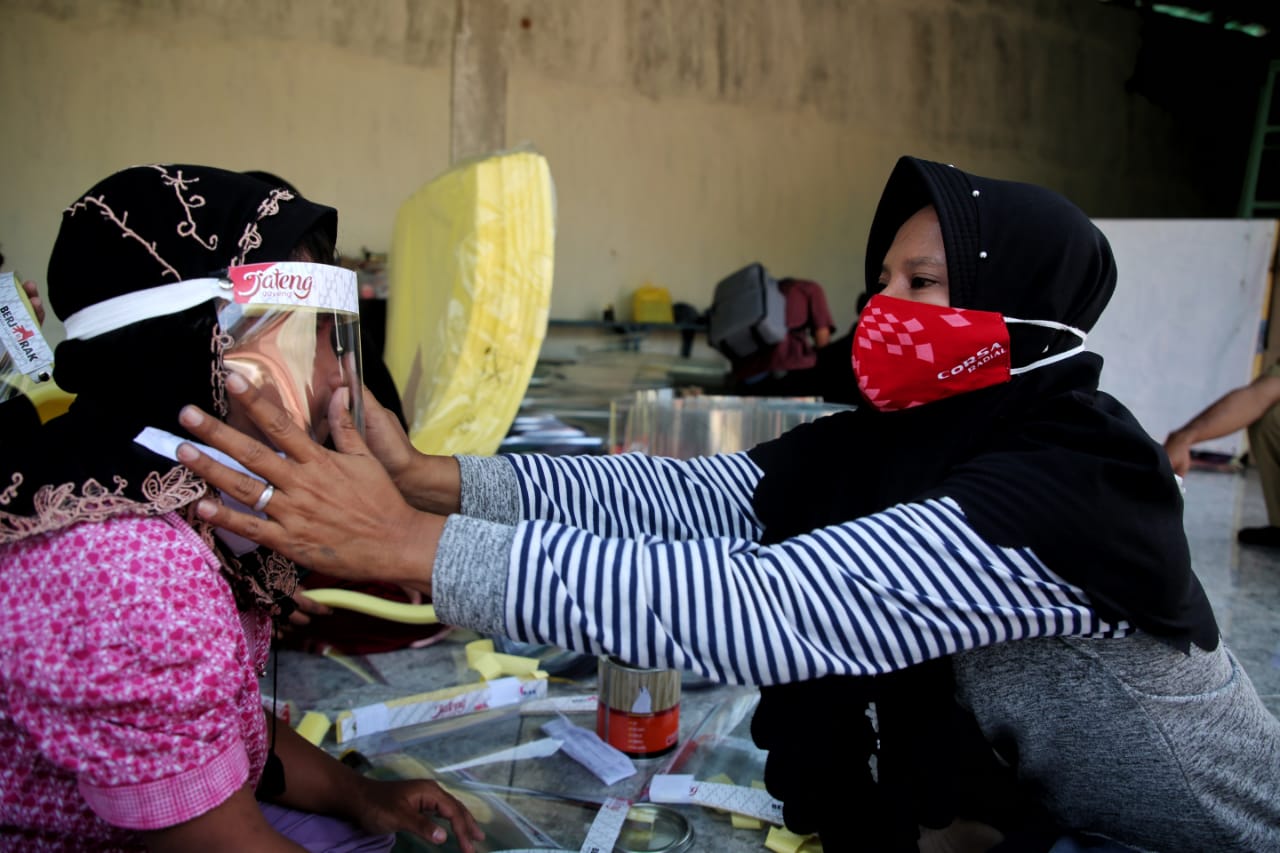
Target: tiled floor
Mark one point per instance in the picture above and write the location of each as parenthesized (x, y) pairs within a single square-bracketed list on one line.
[(1243, 582)]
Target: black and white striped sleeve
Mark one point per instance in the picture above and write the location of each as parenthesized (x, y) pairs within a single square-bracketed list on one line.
[(902, 586), (632, 494)]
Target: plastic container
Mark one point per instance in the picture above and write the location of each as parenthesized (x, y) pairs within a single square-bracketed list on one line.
[(652, 304)]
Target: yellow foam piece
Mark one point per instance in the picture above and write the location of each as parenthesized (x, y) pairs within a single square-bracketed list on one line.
[(490, 664), (469, 288), (782, 840), (342, 660), (477, 649), (313, 726), (488, 667), (372, 605), (516, 664), (49, 400)]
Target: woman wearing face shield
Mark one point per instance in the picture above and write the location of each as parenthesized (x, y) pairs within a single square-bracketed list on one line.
[(134, 631), (994, 556)]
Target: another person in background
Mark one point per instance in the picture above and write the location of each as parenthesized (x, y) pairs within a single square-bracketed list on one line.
[(832, 378), (987, 523), (133, 632), (1252, 407), (784, 370)]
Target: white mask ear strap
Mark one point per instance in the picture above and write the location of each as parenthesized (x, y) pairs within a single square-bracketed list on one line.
[(1055, 358)]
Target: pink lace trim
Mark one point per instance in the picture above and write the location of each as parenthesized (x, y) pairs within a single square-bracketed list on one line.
[(218, 346), (122, 221), (251, 238), (181, 184), (58, 507)]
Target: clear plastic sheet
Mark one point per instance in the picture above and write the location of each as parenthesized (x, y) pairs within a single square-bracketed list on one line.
[(524, 802), (660, 423), (470, 271)]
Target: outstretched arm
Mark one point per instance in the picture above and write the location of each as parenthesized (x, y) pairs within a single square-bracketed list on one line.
[(1233, 411), (868, 596), (429, 483)]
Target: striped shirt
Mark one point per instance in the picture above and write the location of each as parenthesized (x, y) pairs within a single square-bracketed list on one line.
[(658, 561)]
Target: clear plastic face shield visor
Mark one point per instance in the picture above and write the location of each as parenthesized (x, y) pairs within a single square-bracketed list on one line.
[(294, 332), (26, 360)]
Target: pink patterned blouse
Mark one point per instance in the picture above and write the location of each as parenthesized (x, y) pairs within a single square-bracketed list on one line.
[(128, 685)]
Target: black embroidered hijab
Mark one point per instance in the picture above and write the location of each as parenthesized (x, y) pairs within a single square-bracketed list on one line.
[(1045, 460), (140, 228)]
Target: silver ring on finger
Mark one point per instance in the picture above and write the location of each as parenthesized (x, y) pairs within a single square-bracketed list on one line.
[(264, 498)]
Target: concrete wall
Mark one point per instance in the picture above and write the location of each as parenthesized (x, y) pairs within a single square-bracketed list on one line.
[(686, 137)]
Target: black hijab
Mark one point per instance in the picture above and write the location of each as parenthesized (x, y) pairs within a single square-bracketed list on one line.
[(1044, 461), (140, 228)]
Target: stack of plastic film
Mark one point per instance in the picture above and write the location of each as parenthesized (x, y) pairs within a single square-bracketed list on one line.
[(632, 419), (662, 424), (26, 359), (470, 273)]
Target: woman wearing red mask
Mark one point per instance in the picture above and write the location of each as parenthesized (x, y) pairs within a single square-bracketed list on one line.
[(989, 526)]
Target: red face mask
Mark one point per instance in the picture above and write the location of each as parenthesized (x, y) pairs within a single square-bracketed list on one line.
[(906, 354)]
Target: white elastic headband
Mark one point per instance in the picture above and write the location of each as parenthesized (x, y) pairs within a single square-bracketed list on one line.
[(121, 311), (284, 284)]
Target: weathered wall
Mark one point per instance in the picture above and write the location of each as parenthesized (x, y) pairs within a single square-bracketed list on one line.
[(690, 138), (347, 100), (686, 137)]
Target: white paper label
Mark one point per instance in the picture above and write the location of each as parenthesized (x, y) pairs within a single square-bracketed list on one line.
[(609, 765), (370, 719), (295, 283), (561, 705), (21, 333), (683, 788), (607, 826)]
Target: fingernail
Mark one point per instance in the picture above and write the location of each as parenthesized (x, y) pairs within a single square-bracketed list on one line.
[(187, 453), (190, 416), (206, 509), (439, 835), (236, 383)]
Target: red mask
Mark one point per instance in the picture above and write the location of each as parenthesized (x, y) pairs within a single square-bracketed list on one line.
[(907, 353)]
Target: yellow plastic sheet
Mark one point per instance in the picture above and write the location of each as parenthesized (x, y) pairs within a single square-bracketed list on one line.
[(470, 273)]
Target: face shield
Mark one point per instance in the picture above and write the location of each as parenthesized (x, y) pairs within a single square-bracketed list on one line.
[(26, 361), (293, 327)]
